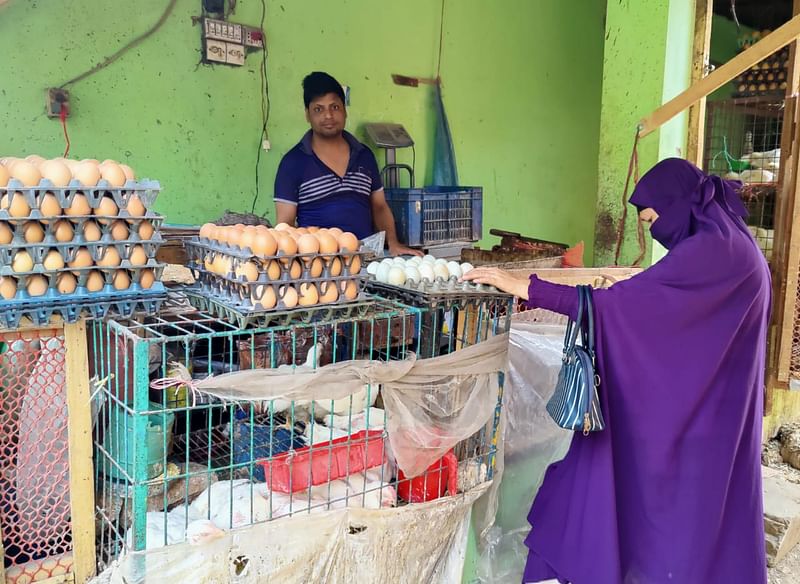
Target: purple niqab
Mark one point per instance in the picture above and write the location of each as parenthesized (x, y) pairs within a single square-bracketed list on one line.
[(670, 492)]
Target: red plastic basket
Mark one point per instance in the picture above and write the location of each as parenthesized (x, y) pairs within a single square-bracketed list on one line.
[(297, 470)]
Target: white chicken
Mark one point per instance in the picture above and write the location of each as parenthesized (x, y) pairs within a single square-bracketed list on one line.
[(161, 529), (358, 422), (356, 402), (300, 412), (232, 504), (318, 433)]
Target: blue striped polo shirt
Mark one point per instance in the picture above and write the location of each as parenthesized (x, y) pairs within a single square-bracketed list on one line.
[(323, 198)]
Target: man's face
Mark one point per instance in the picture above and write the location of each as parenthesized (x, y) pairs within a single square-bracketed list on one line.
[(327, 115)]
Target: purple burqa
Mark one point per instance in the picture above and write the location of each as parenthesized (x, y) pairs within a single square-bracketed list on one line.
[(670, 491)]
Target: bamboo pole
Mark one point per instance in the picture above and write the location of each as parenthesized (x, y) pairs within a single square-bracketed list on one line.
[(740, 63), (702, 48)]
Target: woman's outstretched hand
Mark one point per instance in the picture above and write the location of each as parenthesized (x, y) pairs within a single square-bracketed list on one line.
[(500, 279)]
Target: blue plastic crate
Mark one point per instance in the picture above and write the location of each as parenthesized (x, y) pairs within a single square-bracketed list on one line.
[(437, 215)]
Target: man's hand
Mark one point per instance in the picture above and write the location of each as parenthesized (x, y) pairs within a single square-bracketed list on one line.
[(398, 249), (500, 279)]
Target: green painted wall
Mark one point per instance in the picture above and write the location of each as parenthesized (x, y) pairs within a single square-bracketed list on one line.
[(646, 62), (521, 93)]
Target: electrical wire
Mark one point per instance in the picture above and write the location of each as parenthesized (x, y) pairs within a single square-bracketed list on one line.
[(413, 164), (441, 37), (134, 42), (63, 116), (265, 102)]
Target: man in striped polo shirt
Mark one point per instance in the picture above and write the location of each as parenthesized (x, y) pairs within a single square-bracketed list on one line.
[(330, 179)]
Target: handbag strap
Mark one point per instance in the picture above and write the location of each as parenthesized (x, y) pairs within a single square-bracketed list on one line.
[(573, 326)]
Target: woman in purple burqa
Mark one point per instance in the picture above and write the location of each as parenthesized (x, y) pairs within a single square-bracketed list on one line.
[(670, 491)]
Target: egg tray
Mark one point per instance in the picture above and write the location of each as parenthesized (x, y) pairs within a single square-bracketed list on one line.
[(239, 294), (197, 253), (72, 307), (78, 225), (81, 275), (146, 190), (449, 294), (204, 302), (68, 252)]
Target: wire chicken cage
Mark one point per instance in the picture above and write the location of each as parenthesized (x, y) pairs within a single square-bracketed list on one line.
[(167, 462), (743, 139)]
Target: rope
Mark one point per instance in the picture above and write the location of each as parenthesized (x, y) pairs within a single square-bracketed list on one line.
[(183, 379)]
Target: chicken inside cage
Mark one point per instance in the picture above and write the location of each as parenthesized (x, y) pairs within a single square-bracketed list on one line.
[(219, 463), (743, 143)]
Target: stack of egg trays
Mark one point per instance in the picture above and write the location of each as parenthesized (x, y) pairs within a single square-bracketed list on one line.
[(70, 307), (239, 293), (439, 294)]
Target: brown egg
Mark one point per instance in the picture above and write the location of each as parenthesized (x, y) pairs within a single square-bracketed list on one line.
[(248, 271), (33, 232), (327, 243), (128, 171), (63, 231), (309, 295), (95, 282), (34, 159), (138, 256), (264, 297), (87, 173), (107, 208), (22, 262), (286, 245), (48, 206), (57, 172), (273, 270), (313, 229), (26, 173), (113, 173), (206, 230), (264, 243), (288, 296), (348, 242), (135, 206), (18, 206), (78, 206), (147, 279), (4, 176), (83, 259), (109, 259), (225, 266), (316, 267), (248, 239), (336, 267), (235, 236), (335, 232), (91, 160), (120, 231), (8, 287), (308, 244), (37, 285), (53, 260), (283, 227), (329, 292), (295, 270), (66, 283), (6, 233), (222, 234), (355, 265), (92, 231), (122, 281), (349, 289)]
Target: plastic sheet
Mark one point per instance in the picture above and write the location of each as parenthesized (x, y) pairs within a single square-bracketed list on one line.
[(531, 442), (431, 404)]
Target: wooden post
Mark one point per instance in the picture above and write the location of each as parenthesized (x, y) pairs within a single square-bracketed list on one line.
[(740, 63), (700, 55), (81, 483)]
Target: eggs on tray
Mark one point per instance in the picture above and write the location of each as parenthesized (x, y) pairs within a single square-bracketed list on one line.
[(284, 266), (415, 271)]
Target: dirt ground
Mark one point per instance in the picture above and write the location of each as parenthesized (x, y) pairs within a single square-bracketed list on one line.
[(788, 571)]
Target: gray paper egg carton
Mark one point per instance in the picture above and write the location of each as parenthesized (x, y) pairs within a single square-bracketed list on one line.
[(69, 251), (79, 222), (197, 249), (82, 275), (146, 190)]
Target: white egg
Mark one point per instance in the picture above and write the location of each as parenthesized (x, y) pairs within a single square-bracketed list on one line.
[(388, 261), (412, 273), (440, 262), (466, 267), (429, 258), (426, 272), (441, 272), (397, 276), (455, 269), (382, 275), (415, 261), (398, 261), (372, 268)]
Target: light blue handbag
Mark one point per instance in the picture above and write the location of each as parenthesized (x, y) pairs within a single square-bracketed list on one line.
[(575, 404)]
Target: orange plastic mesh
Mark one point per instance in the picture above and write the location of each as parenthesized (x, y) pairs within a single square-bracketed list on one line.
[(34, 466)]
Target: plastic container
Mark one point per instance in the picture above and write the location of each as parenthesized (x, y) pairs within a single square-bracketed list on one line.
[(267, 440), (296, 470), (437, 215), (118, 441)]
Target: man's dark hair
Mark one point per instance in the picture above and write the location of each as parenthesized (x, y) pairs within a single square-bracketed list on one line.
[(317, 84)]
